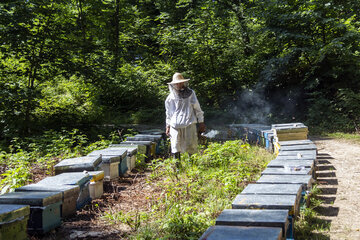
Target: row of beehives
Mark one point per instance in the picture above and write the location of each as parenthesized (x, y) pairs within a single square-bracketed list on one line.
[(268, 208), (39, 208)]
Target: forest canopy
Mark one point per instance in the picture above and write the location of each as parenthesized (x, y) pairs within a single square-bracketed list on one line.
[(81, 62)]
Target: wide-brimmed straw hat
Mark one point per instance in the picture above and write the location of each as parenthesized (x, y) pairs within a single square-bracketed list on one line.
[(178, 78)]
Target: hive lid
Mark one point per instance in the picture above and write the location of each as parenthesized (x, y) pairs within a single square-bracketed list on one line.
[(296, 157), (151, 138), (80, 163), (275, 189), (296, 153), (131, 149), (287, 171), (298, 147), (295, 142), (219, 232), (110, 152), (291, 163), (147, 143), (110, 159), (249, 217), (11, 212), (31, 198), (66, 190), (96, 175), (262, 201), (304, 180), (73, 178)]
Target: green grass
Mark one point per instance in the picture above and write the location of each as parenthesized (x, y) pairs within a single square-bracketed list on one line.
[(309, 225), (193, 195), (348, 136)]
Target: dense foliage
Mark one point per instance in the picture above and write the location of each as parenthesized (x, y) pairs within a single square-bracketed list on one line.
[(75, 62)]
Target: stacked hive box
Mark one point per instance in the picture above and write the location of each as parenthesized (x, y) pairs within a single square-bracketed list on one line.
[(44, 208), (121, 153), (96, 187), (69, 194), (80, 179), (282, 187)]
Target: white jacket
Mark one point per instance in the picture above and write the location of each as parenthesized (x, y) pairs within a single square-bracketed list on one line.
[(181, 112)]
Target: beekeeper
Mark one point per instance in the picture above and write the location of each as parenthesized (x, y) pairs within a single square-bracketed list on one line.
[(182, 113)]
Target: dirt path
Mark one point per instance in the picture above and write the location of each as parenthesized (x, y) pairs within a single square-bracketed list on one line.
[(339, 180)]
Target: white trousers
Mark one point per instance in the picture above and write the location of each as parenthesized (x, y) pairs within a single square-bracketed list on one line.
[(184, 139)]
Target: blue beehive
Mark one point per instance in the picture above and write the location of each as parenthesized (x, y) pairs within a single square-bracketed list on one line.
[(44, 208), (69, 193), (249, 233), (122, 153), (75, 178), (78, 164), (13, 221), (255, 218), (157, 139)]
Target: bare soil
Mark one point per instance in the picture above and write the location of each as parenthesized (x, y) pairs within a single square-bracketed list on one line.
[(338, 176)]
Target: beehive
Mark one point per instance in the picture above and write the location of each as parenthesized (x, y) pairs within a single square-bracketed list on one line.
[(78, 164), (13, 221), (69, 193), (304, 153), (110, 166), (122, 153), (286, 163), (218, 232), (287, 171), (295, 142), (276, 189), (96, 186), (44, 208), (76, 178), (131, 155), (265, 201), (302, 147), (255, 218), (305, 180), (141, 150), (290, 131), (157, 139), (150, 147)]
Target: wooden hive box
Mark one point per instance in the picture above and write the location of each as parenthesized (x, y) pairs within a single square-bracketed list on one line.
[(79, 164), (141, 150), (290, 131), (265, 201), (276, 189), (255, 218), (96, 186), (287, 171), (131, 154), (13, 221), (44, 208), (122, 153), (219, 232), (69, 193), (158, 139), (150, 146), (110, 166), (305, 180), (74, 178)]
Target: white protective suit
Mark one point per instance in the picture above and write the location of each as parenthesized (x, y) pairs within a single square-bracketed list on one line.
[(182, 113)]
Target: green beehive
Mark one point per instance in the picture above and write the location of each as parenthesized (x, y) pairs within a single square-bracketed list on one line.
[(13, 221), (45, 208), (69, 193)]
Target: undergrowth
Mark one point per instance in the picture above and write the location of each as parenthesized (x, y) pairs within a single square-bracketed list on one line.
[(309, 225), (23, 156), (194, 193)]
